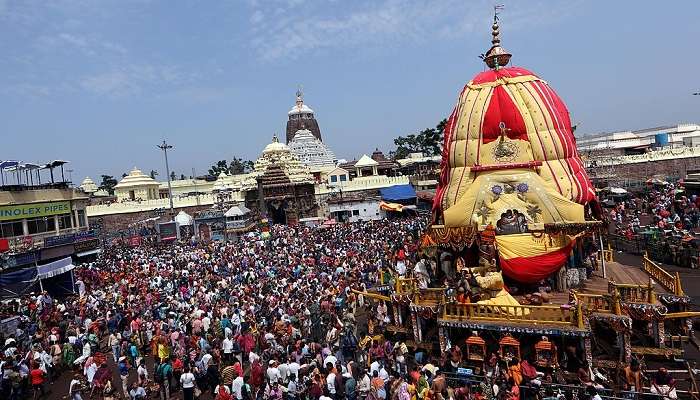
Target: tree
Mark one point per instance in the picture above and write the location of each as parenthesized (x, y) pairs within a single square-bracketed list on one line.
[(124, 175), (172, 175), (235, 167), (428, 141), (108, 183), (182, 177), (239, 166), (153, 174), (219, 167)]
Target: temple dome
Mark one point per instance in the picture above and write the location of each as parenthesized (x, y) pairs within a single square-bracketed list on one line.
[(136, 178), (275, 147), (88, 185), (277, 155)]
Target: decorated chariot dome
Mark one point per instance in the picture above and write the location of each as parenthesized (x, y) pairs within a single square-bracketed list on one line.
[(510, 162)]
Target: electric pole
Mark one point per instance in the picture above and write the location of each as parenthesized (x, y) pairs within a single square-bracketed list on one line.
[(165, 146)]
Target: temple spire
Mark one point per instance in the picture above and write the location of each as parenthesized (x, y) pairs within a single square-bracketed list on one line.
[(300, 96), (497, 56)]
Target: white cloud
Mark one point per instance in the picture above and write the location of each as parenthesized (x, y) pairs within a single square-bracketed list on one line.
[(131, 80), (87, 45), (297, 29)]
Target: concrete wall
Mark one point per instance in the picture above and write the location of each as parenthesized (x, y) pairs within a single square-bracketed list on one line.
[(118, 222)]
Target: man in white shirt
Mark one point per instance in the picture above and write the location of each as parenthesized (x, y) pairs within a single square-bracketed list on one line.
[(227, 347), (205, 361), (293, 368), (273, 373), (236, 387), (284, 372), (330, 380), (74, 389), (330, 359)]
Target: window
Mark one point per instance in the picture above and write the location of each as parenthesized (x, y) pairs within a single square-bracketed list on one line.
[(81, 218), (343, 178), (355, 212), (334, 178), (10, 229), (41, 225), (64, 221)]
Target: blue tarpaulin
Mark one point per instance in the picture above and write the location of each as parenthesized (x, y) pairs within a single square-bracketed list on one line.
[(398, 193)]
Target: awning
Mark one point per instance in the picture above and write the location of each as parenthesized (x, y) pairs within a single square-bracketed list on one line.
[(237, 211), (88, 252), (398, 192), (54, 268), (391, 206)]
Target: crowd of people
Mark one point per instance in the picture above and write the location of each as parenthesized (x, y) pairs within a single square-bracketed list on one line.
[(270, 319), (661, 206)]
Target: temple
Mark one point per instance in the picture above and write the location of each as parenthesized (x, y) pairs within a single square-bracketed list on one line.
[(311, 151), (302, 117)]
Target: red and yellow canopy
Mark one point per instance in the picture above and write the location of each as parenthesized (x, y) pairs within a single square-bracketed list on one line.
[(510, 116)]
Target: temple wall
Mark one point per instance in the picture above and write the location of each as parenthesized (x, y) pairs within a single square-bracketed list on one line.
[(117, 222)]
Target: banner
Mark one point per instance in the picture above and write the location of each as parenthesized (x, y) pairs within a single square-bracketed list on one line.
[(35, 210)]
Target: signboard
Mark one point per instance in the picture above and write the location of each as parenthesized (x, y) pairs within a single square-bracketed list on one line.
[(14, 260), (86, 245), (168, 231), (59, 240), (68, 238), (35, 210), (134, 241)]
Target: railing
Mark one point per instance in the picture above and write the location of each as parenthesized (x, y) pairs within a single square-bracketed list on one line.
[(405, 286), (598, 303), (430, 296), (633, 293), (607, 255), (665, 279), (557, 315)]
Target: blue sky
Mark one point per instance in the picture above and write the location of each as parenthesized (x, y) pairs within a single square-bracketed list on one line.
[(100, 83)]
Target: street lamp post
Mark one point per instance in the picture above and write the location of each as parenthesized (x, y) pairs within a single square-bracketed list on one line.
[(165, 146)]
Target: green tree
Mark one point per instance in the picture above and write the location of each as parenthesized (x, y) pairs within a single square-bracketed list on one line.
[(428, 141), (235, 167), (108, 183), (182, 177), (172, 175), (219, 167), (153, 174), (239, 166)]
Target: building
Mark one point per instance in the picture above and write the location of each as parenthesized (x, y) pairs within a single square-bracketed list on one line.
[(301, 117), (375, 165), (43, 228), (311, 151), (88, 186), (639, 141), (355, 208), (32, 214), (137, 186), (629, 158), (285, 187)]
